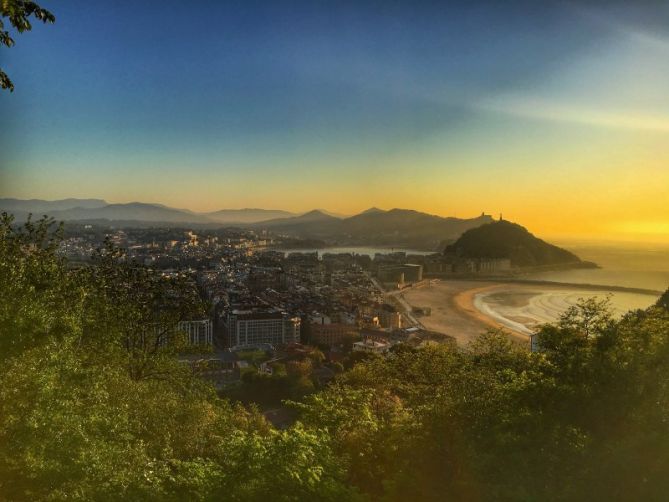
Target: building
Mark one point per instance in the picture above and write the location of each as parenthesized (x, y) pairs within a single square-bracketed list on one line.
[(412, 272), (534, 343), (262, 278), (408, 272), (389, 318), (480, 265), (325, 332), (371, 346), (390, 275), (493, 265), (261, 326), (436, 264), (199, 332)]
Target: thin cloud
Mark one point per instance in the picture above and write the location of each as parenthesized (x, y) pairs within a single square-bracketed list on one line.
[(545, 110), (600, 19)]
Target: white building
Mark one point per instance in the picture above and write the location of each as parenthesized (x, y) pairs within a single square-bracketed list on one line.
[(255, 327), (200, 332), (371, 346), (534, 343)]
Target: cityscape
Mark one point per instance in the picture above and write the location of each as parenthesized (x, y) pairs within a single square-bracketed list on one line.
[(262, 298)]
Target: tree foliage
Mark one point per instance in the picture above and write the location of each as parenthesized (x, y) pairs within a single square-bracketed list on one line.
[(18, 13), (503, 239), (584, 419)]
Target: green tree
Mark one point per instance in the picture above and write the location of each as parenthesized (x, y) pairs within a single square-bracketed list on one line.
[(497, 422), (40, 301), (18, 13), (663, 301), (130, 307)]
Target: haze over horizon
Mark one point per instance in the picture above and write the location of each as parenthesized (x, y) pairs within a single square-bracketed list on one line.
[(558, 118)]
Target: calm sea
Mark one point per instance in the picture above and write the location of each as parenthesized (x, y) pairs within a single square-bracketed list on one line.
[(637, 266), (369, 251), (523, 310)]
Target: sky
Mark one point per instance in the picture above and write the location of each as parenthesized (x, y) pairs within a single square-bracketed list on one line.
[(555, 114)]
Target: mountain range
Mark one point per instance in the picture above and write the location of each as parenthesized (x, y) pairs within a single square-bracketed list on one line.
[(396, 227), (247, 215), (97, 210)]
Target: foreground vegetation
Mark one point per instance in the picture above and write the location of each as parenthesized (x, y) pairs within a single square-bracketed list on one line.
[(93, 404)]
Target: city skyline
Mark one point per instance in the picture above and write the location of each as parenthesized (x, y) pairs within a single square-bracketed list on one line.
[(558, 117)]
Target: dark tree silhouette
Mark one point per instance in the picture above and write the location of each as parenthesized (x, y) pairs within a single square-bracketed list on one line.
[(663, 301), (18, 12)]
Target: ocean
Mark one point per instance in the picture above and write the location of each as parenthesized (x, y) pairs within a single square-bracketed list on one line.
[(369, 251), (525, 307), (635, 266)]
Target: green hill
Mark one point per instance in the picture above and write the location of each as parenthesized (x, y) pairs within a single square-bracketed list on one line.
[(503, 239)]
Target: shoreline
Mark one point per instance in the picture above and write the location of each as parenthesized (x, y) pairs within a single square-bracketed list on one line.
[(465, 302), (453, 312), (456, 312), (574, 285)]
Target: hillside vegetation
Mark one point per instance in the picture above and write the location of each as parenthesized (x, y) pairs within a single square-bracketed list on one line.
[(503, 239), (94, 407)]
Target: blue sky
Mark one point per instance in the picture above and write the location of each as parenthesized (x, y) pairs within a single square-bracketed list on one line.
[(338, 104)]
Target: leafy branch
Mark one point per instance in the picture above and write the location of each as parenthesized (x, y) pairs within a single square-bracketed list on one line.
[(19, 13)]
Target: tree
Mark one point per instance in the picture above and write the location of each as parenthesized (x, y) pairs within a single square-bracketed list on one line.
[(584, 419), (663, 301), (18, 12), (39, 300), (137, 310)]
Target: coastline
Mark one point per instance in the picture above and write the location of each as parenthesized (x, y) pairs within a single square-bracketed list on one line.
[(465, 301), (458, 308), (453, 310), (574, 285)]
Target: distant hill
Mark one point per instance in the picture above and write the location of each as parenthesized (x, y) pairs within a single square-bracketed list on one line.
[(409, 226), (397, 227), (99, 211), (133, 211), (313, 225), (373, 210), (247, 215), (332, 213), (503, 239), (21, 208)]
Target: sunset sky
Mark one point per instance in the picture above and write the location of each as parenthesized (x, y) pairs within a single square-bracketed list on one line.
[(554, 113)]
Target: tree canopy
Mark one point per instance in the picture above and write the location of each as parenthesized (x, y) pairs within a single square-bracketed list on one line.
[(503, 239), (18, 13)]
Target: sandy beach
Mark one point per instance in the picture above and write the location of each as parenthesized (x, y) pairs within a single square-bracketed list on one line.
[(453, 310), (464, 309)]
